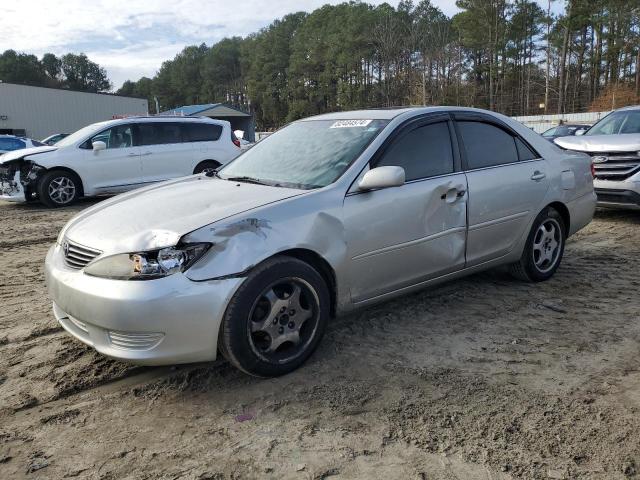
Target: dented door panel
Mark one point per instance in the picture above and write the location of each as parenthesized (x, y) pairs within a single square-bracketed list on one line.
[(401, 236)]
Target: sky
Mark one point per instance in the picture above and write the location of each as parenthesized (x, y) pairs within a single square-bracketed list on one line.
[(131, 38)]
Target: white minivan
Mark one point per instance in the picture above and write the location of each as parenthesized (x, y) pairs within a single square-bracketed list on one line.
[(116, 156)]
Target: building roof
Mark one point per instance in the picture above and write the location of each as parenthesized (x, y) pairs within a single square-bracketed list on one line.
[(72, 90), (207, 110)]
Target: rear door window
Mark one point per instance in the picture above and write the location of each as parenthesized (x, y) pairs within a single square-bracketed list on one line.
[(487, 145), (524, 151), (202, 132)]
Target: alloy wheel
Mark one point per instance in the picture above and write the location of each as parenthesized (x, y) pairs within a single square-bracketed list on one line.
[(62, 190), (283, 320), (547, 244)]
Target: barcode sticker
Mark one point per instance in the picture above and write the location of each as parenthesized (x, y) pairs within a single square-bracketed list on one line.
[(350, 123)]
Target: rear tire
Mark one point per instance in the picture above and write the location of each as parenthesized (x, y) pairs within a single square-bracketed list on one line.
[(543, 251), (276, 319), (59, 188), (208, 167)]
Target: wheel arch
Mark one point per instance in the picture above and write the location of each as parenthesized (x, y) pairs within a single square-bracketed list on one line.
[(562, 209), (208, 160), (323, 267), (68, 170)]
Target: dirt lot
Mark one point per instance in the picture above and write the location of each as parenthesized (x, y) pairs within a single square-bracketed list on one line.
[(482, 378)]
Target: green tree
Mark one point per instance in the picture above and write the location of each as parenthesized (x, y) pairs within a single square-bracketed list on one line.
[(21, 68), (80, 73), (52, 66)]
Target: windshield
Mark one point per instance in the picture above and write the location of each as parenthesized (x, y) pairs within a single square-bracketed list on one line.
[(80, 135), (308, 154), (616, 123)]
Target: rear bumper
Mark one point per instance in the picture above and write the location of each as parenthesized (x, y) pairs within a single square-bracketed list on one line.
[(581, 211)]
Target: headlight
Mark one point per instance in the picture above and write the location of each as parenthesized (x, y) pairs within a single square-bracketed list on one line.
[(148, 265)]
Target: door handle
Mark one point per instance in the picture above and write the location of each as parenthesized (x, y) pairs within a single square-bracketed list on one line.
[(538, 175), (132, 154), (452, 195), (145, 154)]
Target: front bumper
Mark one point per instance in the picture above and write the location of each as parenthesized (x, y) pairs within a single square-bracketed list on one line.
[(619, 194), (151, 322), (12, 190)]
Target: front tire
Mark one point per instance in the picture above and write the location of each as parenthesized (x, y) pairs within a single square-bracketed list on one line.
[(59, 188), (544, 248), (276, 319)]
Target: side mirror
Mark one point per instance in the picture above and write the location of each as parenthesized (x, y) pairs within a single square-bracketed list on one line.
[(382, 177), (579, 132), (99, 145)]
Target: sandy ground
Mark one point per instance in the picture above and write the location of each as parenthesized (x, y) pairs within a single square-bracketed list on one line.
[(482, 378)]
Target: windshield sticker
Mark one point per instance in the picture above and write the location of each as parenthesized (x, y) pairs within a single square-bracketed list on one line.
[(350, 123)]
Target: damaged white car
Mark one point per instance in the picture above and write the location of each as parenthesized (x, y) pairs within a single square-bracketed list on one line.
[(116, 156), (329, 214)]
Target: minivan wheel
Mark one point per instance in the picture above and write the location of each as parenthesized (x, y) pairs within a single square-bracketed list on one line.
[(276, 319), (208, 167), (58, 188), (544, 248)]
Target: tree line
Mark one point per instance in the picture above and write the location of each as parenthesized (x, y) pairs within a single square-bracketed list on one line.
[(71, 71), (512, 56)]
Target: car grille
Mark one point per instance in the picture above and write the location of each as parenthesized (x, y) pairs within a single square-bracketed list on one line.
[(615, 166), (76, 255)]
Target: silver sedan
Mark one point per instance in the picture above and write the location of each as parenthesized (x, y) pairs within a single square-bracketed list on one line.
[(329, 214)]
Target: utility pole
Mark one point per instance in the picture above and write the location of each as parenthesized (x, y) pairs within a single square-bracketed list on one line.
[(546, 89), (563, 60)]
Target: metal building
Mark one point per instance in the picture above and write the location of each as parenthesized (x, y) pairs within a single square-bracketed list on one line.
[(239, 120), (38, 112)]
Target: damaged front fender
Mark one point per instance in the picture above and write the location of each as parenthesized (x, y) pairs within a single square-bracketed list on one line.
[(239, 244)]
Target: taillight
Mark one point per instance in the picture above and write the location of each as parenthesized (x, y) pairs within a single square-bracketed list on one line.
[(236, 142), (593, 170)]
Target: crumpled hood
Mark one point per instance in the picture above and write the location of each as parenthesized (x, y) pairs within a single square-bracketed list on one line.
[(24, 152), (159, 215), (627, 142)]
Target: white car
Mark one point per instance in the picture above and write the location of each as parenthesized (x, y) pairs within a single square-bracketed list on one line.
[(10, 143), (116, 156)]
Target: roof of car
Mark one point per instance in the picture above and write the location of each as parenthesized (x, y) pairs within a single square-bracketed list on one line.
[(374, 113), (392, 112)]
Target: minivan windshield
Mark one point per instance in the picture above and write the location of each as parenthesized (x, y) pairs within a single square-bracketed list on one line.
[(625, 121), (307, 154), (80, 135)]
